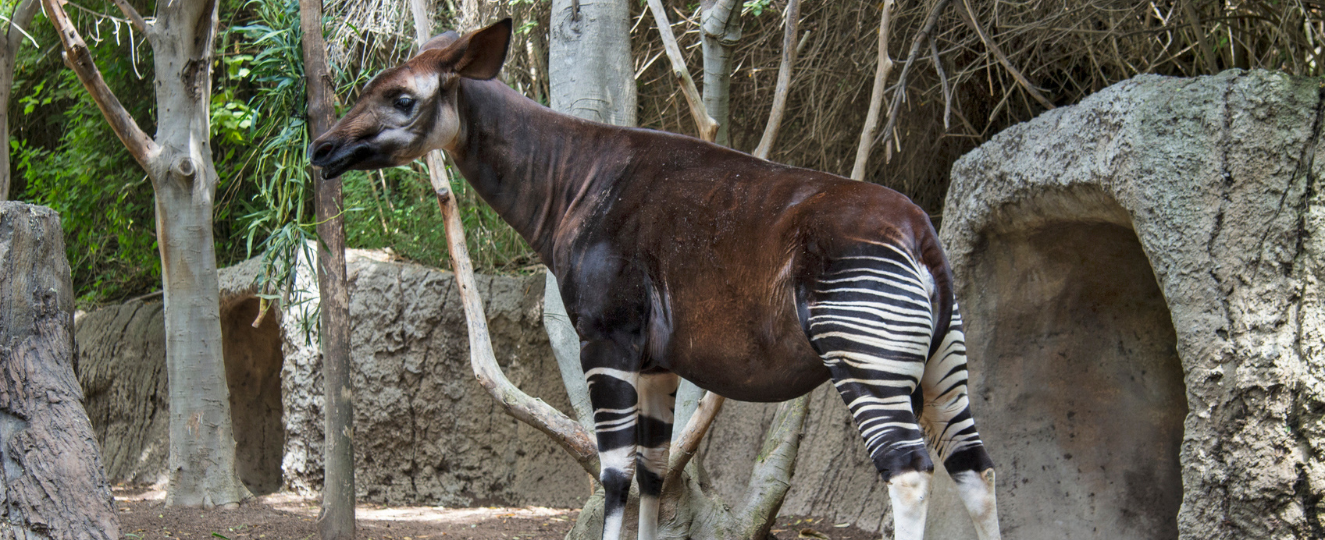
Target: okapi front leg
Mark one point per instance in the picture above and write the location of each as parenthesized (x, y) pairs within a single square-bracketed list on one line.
[(616, 409), (657, 396), (951, 430)]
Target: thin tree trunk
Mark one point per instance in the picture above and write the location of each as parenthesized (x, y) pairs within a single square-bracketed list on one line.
[(179, 163), (336, 521), (18, 22), (54, 485), (720, 25)]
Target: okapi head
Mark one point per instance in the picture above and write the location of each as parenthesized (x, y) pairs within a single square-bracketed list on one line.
[(410, 109)]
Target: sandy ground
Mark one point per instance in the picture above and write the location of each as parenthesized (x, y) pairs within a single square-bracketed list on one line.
[(143, 516)]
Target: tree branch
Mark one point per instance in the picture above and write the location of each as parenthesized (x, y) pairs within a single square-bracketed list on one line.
[(566, 432), (18, 23), (881, 72), (132, 15), (708, 127), (79, 58), (572, 437), (684, 447), (969, 18), (784, 82), (774, 467), (943, 79), (920, 38)]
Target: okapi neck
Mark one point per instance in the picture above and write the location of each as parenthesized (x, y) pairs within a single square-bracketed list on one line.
[(531, 164)]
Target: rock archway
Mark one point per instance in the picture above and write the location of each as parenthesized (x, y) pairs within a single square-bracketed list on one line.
[(1081, 389), (1140, 277)]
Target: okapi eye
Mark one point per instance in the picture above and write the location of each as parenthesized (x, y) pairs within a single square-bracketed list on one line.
[(404, 103)]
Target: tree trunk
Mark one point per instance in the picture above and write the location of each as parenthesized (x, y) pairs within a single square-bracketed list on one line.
[(589, 65), (337, 519), (53, 484), (720, 29), (179, 163), (18, 22)]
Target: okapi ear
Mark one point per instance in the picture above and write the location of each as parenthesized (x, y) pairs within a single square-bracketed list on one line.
[(485, 52), (440, 41)]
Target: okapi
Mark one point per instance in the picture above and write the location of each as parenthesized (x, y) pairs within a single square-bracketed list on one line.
[(677, 257)]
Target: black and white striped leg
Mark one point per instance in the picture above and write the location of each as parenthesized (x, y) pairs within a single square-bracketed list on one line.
[(657, 396), (616, 406), (951, 431), (870, 318)]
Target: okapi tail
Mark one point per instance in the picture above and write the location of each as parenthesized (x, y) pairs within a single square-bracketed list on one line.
[(931, 254)]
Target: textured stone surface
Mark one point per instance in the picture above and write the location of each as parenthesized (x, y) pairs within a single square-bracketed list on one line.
[(425, 431), (1210, 187)]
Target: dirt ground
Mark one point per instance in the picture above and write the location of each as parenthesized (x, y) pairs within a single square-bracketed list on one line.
[(143, 516)]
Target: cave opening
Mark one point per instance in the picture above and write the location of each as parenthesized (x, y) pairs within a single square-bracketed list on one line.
[(1078, 388), (253, 359)]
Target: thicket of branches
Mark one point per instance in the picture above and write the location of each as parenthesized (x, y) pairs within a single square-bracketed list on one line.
[(1004, 63)]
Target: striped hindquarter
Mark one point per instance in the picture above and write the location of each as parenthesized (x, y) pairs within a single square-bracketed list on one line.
[(871, 316)]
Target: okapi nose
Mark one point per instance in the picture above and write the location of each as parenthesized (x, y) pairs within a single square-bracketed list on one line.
[(319, 151)]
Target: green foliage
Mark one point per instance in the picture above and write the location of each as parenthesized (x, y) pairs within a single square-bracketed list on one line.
[(396, 209), (755, 7), (65, 156)]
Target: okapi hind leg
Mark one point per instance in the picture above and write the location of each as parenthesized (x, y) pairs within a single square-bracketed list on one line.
[(657, 396), (951, 431), (869, 317)]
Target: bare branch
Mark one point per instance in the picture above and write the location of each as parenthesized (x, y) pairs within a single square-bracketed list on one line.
[(784, 82), (79, 58), (18, 24), (708, 128), (968, 17), (881, 72), (684, 447), (774, 467), (566, 432), (132, 14), (943, 79), (898, 95)]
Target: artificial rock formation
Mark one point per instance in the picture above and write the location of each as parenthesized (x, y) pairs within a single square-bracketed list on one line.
[(1140, 276), (426, 432)]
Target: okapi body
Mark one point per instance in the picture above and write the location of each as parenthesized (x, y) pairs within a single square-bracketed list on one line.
[(677, 257)]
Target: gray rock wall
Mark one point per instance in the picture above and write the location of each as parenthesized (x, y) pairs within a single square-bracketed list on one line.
[(425, 431), (1140, 278)]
